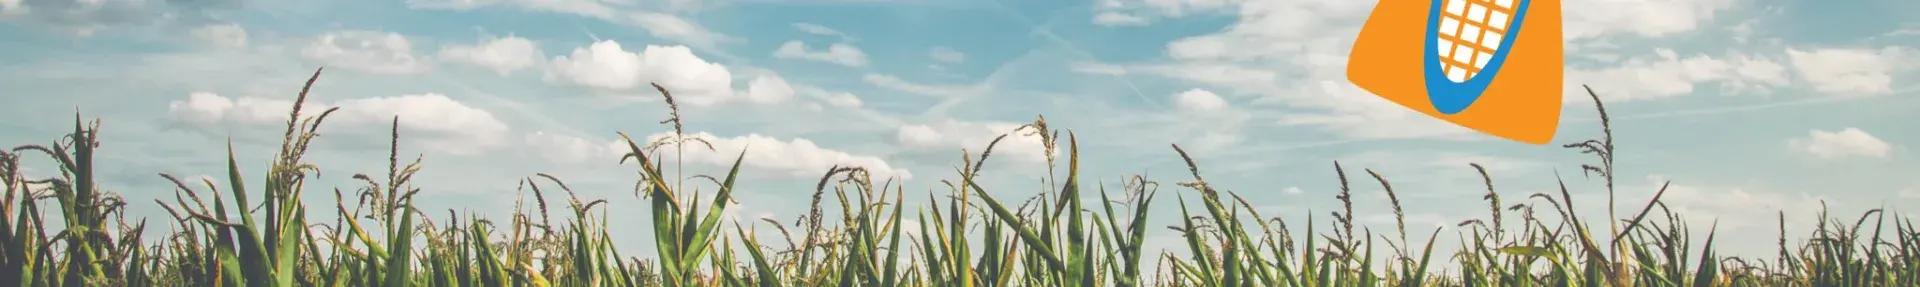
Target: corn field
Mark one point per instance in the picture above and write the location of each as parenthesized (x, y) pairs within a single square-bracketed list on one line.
[(65, 231)]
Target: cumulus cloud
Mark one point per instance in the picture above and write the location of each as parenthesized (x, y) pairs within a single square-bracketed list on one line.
[(204, 107), (769, 89), (1849, 142), (606, 65), (1852, 71), (952, 135), (1216, 123), (367, 51), (1199, 101), (502, 55), (446, 124), (838, 53)]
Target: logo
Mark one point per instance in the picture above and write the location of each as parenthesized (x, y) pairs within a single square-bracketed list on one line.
[(1493, 66)]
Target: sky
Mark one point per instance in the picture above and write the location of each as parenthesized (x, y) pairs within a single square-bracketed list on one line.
[(1746, 108)]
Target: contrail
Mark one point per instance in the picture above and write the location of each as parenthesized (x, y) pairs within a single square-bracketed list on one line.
[(1124, 78)]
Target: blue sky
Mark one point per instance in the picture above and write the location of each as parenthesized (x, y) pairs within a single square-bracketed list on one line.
[(1748, 106)]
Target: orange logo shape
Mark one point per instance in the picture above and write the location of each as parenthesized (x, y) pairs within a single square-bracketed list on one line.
[(1494, 66)]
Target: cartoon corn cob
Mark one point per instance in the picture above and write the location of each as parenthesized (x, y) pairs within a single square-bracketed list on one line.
[(1471, 33), (1491, 65), (1468, 38)]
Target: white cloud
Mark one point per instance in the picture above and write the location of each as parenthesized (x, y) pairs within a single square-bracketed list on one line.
[(945, 54), (1733, 208), (448, 125), (1216, 122), (426, 112), (502, 55), (1199, 101), (793, 158), (8, 7), (1908, 31), (209, 107), (769, 89), (952, 135), (1118, 19), (1100, 69), (838, 53), (1139, 12), (84, 17), (450, 4), (826, 97), (1846, 72), (678, 29), (1293, 190), (1844, 143), (565, 149), (1668, 74), (221, 35), (589, 8), (662, 25), (796, 157), (605, 65), (816, 29), (1651, 18), (1743, 32), (367, 51), (843, 99)]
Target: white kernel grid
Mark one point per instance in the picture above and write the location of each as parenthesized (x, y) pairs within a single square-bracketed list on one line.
[(1470, 33)]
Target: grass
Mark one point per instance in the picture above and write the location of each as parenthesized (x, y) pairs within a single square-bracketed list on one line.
[(66, 231)]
